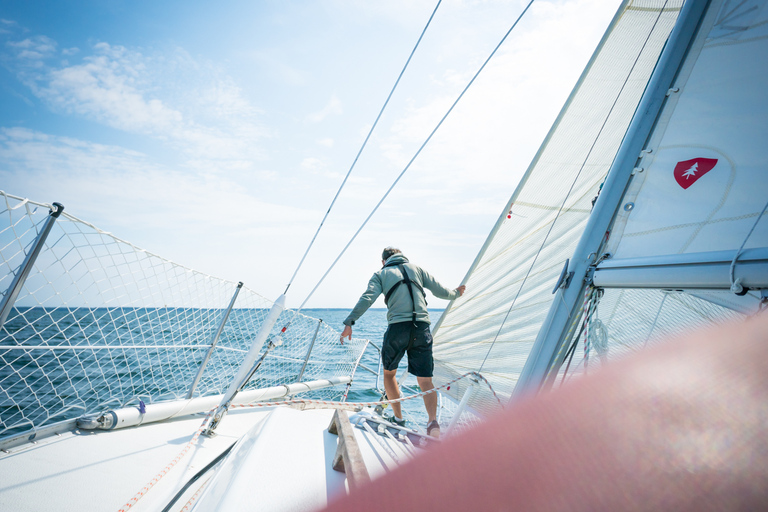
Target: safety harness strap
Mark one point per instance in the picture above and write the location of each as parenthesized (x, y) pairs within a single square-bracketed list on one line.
[(409, 283)]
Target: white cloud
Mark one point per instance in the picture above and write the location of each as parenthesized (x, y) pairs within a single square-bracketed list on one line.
[(333, 107), (33, 50), (97, 175), (210, 223), (207, 118), (327, 142), (105, 89), (312, 164)]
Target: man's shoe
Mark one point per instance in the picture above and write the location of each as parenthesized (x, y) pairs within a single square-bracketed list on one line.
[(433, 429), (400, 422)]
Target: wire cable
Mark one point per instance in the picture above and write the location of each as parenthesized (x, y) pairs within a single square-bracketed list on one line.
[(423, 145), (734, 287), (365, 142)]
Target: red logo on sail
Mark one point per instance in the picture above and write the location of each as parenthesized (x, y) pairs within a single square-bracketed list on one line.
[(688, 172)]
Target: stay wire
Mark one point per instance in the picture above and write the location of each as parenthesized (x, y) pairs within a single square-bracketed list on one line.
[(417, 153), (573, 184), (365, 142)]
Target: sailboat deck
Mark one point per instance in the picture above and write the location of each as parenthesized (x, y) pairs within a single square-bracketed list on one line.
[(286, 465)]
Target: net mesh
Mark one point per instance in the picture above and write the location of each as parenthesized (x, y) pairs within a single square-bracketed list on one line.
[(515, 273), (100, 323), (447, 409), (625, 321)]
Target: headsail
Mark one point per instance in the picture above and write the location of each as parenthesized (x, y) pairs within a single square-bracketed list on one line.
[(634, 280), (509, 286)]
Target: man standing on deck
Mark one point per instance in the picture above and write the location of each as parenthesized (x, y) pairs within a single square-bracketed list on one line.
[(402, 284)]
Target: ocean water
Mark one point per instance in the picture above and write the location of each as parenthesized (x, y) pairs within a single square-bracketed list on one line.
[(39, 387)]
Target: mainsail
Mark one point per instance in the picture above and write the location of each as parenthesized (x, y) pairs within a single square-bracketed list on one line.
[(510, 285), (697, 202)]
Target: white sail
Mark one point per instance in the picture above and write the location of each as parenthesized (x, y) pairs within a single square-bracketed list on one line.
[(702, 191), (509, 286), (633, 291)]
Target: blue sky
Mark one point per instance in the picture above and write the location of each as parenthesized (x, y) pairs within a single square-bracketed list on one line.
[(217, 134)]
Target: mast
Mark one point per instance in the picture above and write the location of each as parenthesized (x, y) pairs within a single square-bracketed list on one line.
[(563, 312)]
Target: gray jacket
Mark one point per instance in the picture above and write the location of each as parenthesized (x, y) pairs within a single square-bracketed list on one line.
[(400, 307)]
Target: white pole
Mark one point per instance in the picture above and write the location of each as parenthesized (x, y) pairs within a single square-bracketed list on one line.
[(247, 365), (9, 299), (214, 341), (462, 405), (132, 416)]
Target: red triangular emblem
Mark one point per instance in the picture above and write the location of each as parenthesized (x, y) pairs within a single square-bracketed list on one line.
[(688, 172)]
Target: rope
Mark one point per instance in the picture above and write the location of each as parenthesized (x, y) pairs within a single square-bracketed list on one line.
[(588, 330), (381, 441), (588, 305), (300, 404), (365, 142), (581, 168), (415, 156), (354, 406), (736, 287), (144, 490)]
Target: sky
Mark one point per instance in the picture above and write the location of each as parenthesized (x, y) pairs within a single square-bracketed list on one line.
[(216, 135)]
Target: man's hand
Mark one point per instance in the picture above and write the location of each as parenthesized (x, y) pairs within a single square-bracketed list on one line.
[(346, 333), (461, 289)]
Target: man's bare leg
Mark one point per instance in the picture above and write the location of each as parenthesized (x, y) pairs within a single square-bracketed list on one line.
[(430, 400), (393, 391)]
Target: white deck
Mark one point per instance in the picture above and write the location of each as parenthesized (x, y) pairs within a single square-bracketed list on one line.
[(284, 465)]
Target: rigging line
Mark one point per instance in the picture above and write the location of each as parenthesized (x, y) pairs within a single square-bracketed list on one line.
[(365, 142), (733, 263), (417, 153), (656, 318), (589, 153), (572, 349)]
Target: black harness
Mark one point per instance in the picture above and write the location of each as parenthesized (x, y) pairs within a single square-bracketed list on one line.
[(409, 283)]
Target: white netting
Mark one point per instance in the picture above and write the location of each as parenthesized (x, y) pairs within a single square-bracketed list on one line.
[(626, 321), (101, 323), (523, 257)]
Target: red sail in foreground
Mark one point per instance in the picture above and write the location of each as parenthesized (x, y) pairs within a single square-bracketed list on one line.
[(688, 172)]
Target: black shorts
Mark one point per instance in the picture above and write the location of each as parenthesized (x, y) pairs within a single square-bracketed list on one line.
[(414, 338)]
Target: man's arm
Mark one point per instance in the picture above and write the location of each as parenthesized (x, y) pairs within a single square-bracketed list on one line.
[(437, 289), (366, 300)]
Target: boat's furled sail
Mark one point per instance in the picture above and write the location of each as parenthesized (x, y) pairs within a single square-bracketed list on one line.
[(509, 286)]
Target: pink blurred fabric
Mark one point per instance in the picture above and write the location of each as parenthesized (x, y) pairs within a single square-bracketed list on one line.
[(682, 426)]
